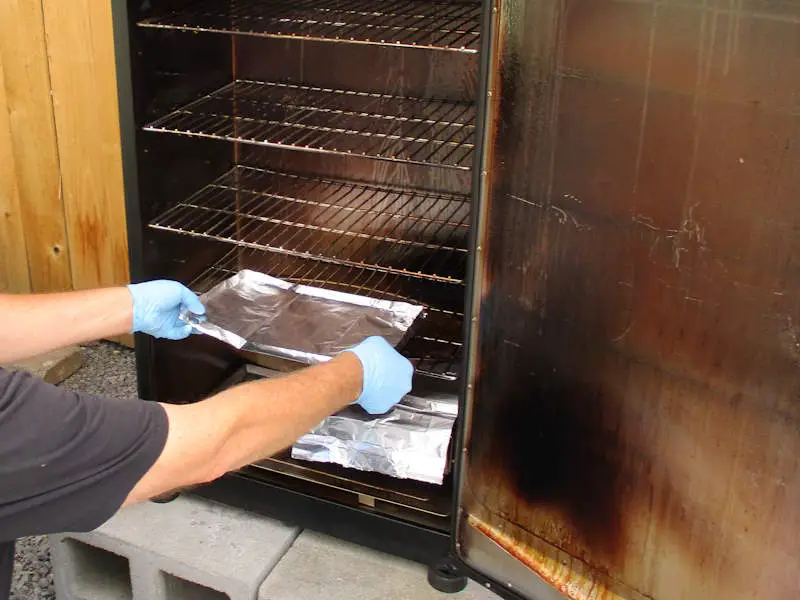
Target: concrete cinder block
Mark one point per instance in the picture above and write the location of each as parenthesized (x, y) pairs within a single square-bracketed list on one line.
[(86, 572), (188, 549), (319, 567)]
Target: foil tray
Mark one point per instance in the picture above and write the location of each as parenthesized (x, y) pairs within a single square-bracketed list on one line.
[(409, 442), (306, 324)]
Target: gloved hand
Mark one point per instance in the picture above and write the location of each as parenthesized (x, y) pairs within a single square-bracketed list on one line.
[(387, 375), (157, 305)]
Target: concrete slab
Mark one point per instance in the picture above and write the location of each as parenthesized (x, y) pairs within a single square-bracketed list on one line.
[(188, 548), (199, 532), (319, 567)]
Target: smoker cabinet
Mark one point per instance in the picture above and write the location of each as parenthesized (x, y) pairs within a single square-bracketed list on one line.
[(596, 202)]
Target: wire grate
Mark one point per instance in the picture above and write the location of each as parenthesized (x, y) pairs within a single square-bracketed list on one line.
[(403, 23), (382, 126), (436, 347), (411, 233)]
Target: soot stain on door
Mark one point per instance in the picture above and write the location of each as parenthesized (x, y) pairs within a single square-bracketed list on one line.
[(548, 430)]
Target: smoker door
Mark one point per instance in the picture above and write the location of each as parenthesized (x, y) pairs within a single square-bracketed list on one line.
[(632, 421)]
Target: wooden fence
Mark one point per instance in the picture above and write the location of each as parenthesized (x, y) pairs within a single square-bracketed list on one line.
[(62, 213)]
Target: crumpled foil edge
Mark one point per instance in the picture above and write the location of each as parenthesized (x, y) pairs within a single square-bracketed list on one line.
[(409, 442)]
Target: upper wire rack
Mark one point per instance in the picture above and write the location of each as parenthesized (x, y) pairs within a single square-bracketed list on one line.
[(395, 128), (403, 23), (412, 233)]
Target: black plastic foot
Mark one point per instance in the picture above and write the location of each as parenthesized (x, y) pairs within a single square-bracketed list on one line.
[(165, 498), (446, 577)]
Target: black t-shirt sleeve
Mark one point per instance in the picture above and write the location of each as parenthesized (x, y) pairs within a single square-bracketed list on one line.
[(69, 460)]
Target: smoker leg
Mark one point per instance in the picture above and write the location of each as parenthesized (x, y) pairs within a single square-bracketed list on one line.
[(165, 498), (172, 495), (445, 576)]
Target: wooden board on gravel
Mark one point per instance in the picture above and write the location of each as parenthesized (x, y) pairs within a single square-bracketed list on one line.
[(54, 367)]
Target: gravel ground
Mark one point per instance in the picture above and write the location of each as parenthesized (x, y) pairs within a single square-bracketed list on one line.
[(107, 371)]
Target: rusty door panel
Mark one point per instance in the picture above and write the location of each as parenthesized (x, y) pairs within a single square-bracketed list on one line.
[(635, 420)]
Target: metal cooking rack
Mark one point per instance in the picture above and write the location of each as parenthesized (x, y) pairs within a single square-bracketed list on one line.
[(404, 23), (435, 346), (410, 233), (383, 126)]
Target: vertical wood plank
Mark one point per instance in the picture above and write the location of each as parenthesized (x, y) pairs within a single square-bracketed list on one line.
[(14, 276), (33, 136), (80, 48)]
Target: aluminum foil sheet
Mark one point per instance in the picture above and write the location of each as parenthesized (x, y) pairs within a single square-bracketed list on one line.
[(264, 314), (409, 442)]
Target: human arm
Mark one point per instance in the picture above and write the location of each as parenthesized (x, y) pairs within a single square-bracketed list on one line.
[(34, 324), (255, 420), (69, 460)]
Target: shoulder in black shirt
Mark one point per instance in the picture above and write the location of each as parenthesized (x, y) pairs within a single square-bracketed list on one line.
[(67, 460)]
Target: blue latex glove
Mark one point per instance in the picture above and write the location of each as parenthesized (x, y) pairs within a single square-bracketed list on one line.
[(157, 305), (387, 375)]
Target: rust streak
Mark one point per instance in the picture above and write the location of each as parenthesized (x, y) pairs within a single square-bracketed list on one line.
[(574, 585)]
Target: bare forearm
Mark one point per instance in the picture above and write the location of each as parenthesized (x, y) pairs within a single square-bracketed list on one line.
[(247, 423), (34, 324), (265, 417)]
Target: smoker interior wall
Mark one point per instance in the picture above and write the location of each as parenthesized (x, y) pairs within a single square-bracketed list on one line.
[(408, 72), (637, 411)]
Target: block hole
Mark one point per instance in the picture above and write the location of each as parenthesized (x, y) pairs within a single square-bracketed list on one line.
[(176, 588), (99, 573)]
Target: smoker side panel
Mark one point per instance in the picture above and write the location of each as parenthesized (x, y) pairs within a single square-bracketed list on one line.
[(633, 423)]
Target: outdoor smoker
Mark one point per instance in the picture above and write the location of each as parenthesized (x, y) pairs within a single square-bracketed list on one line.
[(595, 203)]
